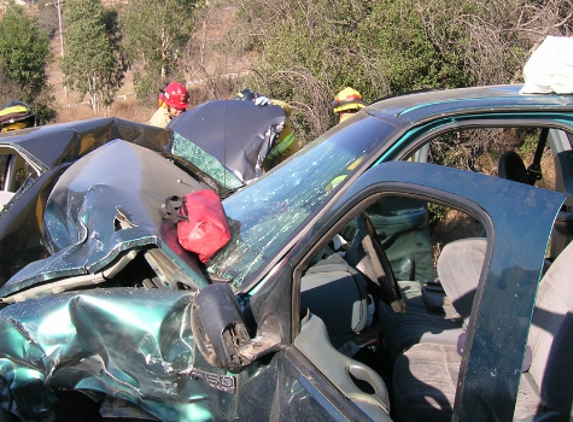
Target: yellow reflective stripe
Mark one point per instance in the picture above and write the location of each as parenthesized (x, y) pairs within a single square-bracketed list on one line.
[(14, 126), (14, 109), (281, 146), (355, 163)]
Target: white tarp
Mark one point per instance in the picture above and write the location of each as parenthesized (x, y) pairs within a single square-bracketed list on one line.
[(550, 67)]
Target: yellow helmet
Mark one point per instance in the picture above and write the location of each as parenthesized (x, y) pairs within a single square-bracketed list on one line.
[(17, 115), (347, 99)]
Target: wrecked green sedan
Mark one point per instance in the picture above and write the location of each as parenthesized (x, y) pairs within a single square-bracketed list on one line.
[(302, 314)]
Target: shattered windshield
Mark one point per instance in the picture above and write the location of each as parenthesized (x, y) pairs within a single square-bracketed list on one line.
[(265, 214), (184, 148)]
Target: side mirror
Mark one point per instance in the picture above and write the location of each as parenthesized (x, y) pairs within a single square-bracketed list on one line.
[(221, 334)]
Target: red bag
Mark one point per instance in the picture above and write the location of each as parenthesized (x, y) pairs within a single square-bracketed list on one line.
[(202, 226)]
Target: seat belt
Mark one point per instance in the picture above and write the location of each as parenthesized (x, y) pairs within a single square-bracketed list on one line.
[(534, 170)]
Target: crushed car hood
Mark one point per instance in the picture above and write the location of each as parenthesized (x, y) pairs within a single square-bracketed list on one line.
[(53, 148), (131, 343), (106, 203)]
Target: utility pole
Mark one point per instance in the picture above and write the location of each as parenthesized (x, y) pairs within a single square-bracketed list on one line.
[(58, 5)]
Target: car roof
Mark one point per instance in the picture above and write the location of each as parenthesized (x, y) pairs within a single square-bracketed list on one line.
[(430, 104), (53, 144)]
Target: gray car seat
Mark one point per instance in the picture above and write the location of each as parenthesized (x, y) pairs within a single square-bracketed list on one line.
[(342, 371), (425, 376), (459, 266), (336, 292)]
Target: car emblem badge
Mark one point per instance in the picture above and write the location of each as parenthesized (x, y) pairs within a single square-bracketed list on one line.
[(220, 382)]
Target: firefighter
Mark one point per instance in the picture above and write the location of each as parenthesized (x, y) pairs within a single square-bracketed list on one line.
[(346, 103), (286, 145), (17, 115), (174, 100)]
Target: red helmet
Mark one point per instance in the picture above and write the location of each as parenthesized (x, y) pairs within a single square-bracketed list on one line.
[(175, 95)]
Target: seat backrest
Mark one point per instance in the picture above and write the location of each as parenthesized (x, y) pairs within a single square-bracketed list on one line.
[(336, 292), (459, 267), (511, 167), (342, 371), (551, 335)]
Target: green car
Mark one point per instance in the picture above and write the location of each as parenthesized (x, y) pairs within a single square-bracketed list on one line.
[(340, 295)]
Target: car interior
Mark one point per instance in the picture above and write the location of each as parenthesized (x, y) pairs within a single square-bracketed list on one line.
[(14, 170), (406, 360), (398, 337), (539, 157), (370, 315)]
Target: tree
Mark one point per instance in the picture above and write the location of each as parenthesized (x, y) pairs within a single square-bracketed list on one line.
[(24, 58), (93, 63), (155, 34)]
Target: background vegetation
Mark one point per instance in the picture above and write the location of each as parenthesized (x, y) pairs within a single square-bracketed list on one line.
[(24, 59), (299, 51), (386, 47), (94, 62)]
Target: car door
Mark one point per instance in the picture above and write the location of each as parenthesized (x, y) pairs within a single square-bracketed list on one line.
[(322, 377)]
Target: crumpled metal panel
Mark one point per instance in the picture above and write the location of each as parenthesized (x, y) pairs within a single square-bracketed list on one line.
[(52, 145), (52, 148), (134, 344), (238, 134), (119, 180)]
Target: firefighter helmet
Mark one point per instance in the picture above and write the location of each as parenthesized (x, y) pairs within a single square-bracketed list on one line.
[(347, 99), (175, 95), (17, 115)]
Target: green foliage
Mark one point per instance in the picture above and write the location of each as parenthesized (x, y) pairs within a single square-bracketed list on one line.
[(309, 50), (529, 145), (44, 108), (24, 58), (93, 63), (378, 48), (155, 35), (418, 41)]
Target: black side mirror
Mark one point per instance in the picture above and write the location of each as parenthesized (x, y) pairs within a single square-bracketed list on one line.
[(221, 334)]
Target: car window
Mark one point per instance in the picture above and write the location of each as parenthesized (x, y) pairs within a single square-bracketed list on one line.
[(14, 171), (526, 154), (480, 149), (186, 149)]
